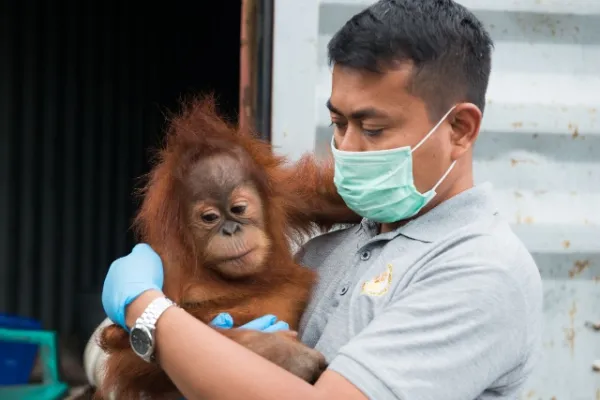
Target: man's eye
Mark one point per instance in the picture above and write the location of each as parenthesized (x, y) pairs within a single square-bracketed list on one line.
[(372, 132), (337, 124)]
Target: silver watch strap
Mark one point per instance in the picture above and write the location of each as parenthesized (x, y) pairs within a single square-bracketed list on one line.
[(153, 312)]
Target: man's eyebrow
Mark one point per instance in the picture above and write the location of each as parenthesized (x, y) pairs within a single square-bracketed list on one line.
[(332, 108), (368, 112)]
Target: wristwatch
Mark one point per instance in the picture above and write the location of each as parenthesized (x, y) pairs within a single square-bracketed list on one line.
[(141, 336)]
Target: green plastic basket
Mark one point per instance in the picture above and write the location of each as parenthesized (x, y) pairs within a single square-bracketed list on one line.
[(51, 387)]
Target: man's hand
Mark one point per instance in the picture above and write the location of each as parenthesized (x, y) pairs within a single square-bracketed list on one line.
[(127, 278), (142, 270), (266, 323)]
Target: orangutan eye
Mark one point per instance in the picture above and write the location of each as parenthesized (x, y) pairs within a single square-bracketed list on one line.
[(210, 217), (238, 209)]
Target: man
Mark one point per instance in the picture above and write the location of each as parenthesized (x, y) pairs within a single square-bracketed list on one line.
[(432, 296)]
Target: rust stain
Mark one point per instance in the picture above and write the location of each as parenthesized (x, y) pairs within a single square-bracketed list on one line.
[(598, 394), (596, 279), (566, 244), (247, 73), (517, 124), (593, 325), (593, 111), (578, 268), (574, 130), (529, 220), (570, 331), (530, 394), (514, 161)]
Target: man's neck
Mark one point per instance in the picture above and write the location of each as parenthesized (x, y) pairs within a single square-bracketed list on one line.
[(385, 228)]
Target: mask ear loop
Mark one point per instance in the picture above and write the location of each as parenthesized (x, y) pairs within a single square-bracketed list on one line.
[(443, 176), (439, 182), (433, 130)]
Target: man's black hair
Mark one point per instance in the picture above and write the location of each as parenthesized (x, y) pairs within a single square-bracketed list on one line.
[(448, 46)]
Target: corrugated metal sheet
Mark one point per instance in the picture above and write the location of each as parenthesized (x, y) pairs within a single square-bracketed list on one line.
[(83, 89), (539, 146), (72, 140)]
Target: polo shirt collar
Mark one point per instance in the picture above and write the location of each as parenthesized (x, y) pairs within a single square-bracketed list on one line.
[(440, 221)]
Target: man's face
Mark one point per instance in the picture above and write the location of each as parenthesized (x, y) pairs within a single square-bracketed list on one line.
[(376, 112)]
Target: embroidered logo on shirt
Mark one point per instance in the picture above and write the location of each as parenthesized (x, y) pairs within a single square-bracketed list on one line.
[(379, 285)]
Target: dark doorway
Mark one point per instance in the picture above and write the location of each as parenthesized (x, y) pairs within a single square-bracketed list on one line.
[(83, 91)]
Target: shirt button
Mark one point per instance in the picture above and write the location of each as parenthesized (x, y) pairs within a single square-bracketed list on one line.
[(365, 255), (344, 290)]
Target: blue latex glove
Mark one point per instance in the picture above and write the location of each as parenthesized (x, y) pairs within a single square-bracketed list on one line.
[(142, 270), (266, 323), (127, 278)]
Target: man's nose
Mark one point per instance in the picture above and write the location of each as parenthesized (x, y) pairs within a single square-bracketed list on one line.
[(350, 141)]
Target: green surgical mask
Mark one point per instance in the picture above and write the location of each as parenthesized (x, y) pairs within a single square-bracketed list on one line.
[(379, 185)]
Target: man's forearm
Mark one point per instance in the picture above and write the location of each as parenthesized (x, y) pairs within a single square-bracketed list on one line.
[(203, 364)]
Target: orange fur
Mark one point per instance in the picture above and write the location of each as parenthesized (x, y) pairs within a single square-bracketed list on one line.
[(295, 197)]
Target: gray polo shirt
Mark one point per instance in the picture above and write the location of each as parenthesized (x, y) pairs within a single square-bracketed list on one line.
[(447, 307)]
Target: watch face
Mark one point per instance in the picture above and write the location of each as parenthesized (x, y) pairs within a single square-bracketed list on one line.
[(141, 342)]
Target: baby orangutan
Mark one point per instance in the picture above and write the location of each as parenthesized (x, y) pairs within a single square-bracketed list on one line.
[(220, 210)]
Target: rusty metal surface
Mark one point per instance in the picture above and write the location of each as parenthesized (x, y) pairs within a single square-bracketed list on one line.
[(247, 51), (539, 146), (255, 66)]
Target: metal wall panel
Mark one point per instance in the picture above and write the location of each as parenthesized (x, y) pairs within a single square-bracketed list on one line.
[(73, 135), (539, 146)]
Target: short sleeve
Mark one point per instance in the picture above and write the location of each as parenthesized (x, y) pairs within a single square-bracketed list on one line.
[(449, 335)]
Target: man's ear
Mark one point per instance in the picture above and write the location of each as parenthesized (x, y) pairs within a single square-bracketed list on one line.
[(465, 121)]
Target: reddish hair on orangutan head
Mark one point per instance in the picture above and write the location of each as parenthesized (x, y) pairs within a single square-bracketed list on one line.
[(220, 209)]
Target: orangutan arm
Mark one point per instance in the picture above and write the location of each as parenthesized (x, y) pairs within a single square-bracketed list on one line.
[(313, 195), (206, 365)]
